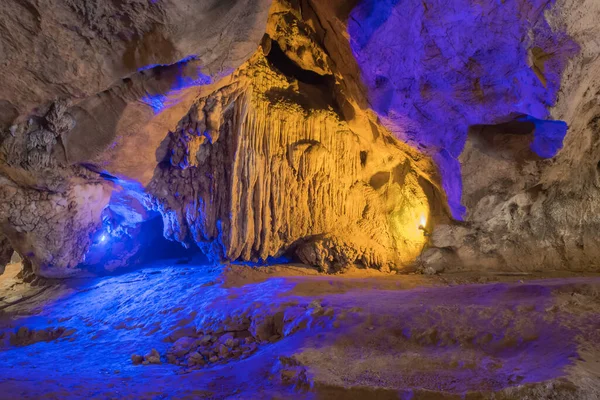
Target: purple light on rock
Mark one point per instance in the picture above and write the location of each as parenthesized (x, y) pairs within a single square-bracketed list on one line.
[(433, 69), (157, 102), (185, 79), (548, 136)]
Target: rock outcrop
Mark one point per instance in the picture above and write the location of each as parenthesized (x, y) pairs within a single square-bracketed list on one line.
[(98, 77), (524, 212), (6, 252), (435, 69), (70, 49)]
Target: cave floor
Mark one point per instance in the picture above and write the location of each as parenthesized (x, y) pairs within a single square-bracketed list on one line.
[(356, 336)]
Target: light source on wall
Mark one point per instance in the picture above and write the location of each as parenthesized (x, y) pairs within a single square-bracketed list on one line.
[(422, 226)]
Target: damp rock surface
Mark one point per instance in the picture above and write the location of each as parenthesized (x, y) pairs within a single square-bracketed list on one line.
[(283, 332)]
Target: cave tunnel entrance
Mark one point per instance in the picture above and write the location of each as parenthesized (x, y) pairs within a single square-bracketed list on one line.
[(158, 248), (118, 248)]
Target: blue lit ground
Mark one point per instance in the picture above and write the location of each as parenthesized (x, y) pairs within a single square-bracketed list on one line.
[(377, 336)]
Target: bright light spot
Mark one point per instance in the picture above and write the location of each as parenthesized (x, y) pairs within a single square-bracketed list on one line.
[(103, 239), (423, 222)]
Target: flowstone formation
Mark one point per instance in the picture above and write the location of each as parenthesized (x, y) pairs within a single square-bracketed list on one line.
[(266, 166), (377, 134)]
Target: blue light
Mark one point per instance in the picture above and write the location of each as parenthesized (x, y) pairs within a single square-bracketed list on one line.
[(157, 102), (429, 78), (103, 238), (188, 76), (182, 61), (548, 136)]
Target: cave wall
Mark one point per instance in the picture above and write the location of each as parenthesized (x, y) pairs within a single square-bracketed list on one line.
[(352, 124), (83, 90), (53, 231), (6, 252), (266, 167), (525, 213), (436, 68), (72, 49)]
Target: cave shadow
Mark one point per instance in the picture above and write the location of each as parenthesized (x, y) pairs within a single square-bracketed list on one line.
[(521, 139), (151, 249)]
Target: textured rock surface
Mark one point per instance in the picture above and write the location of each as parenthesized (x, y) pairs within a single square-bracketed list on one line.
[(293, 152), (260, 168), (71, 49), (115, 67), (524, 213), (53, 231), (289, 332), (435, 69), (6, 252)]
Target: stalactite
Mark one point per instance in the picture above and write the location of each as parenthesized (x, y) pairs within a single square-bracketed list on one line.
[(282, 173)]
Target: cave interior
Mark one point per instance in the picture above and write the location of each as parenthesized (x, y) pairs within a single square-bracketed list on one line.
[(267, 199)]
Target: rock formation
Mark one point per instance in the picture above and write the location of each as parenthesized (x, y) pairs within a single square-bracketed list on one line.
[(70, 49), (6, 252), (335, 133), (110, 66), (266, 165), (525, 212)]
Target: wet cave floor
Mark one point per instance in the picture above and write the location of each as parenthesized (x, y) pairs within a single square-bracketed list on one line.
[(171, 331)]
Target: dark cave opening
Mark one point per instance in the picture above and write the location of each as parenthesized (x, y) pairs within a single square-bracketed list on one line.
[(286, 66), (525, 137), (132, 247), (157, 247), (315, 91)]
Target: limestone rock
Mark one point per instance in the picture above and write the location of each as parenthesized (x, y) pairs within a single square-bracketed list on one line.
[(72, 49), (114, 111), (449, 236), (6, 252), (52, 230), (136, 359), (77, 80), (434, 261), (523, 212), (259, 168), (430, 78)]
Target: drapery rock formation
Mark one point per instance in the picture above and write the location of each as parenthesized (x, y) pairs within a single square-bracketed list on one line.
[(344, 138), (266, 165)]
